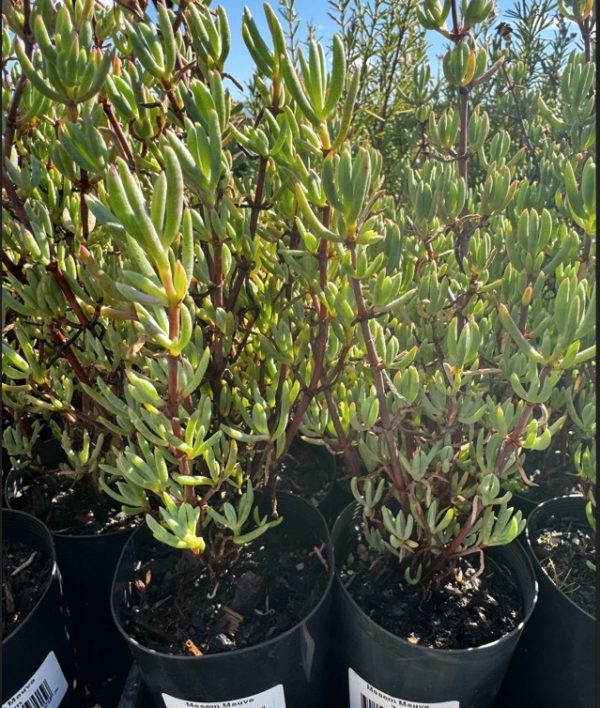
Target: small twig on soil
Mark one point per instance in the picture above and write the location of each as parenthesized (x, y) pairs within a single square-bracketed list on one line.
[(234, 619), (317, 552), (211, 595), (192, 648), (24, 565), (160, 602)]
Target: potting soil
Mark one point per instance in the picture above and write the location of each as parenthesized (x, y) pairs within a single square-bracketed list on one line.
[(565, 550), (461, 611), (182, 606), (69, 507), (306, 472), (25, 575)]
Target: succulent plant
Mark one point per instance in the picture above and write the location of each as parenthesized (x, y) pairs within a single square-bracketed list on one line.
[(189, 285)]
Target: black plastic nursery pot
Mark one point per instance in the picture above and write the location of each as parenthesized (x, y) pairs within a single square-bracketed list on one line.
[(337, 499), (556, 661), (374, 668), (38, 658), (87, 564), (556, 477), (286, 671), (526, 505)]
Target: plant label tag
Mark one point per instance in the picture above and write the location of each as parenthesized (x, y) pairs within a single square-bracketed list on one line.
[(271, 698), (46, 687), (363, 695)]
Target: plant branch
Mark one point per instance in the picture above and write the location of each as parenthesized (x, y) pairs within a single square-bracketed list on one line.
[(395, 471)]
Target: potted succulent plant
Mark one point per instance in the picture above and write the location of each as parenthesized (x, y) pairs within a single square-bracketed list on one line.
[(190, 288), (560, 531), (223, 350), (561, 127), (187, 402), (53, 343), (461, 354)]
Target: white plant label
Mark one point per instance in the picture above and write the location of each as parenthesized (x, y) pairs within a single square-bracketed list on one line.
[(363, 695), (272, 698), (45, 689)]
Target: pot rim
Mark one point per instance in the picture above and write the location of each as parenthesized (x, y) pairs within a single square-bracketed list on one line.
[(57, 534), (453, 652), (54, 572), (211, 658), (540, 509)]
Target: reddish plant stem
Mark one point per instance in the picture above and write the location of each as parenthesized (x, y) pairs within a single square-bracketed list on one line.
[(241, 271), (452, 549), (319, 347), (242, 267), (179, 17), (15, 200), (350, 455), (395, 471), (511, 442), (454, 11), (337, 370), (260, 186), (585, 29), (68, 293), (118, 132), (70, 356), (11, 117)]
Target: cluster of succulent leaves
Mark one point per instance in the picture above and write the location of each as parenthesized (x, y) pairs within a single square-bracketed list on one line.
[(189, 283)]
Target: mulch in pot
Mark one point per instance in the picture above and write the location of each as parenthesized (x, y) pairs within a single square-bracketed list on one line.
[(25, 575), (68, 507), (463, 611), (565, 549), (181, 606)]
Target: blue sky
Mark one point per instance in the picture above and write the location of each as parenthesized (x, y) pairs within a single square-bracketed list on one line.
[(240, 64)]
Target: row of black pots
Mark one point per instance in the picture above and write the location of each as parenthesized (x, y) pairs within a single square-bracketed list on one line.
[(364, 666), (319, 658), (87, 564)]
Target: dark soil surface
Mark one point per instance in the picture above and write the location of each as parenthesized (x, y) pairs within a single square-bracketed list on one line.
[(564, 547), (177, 600), (307, 471), (25, 576), (463, 611), (68, 507)]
